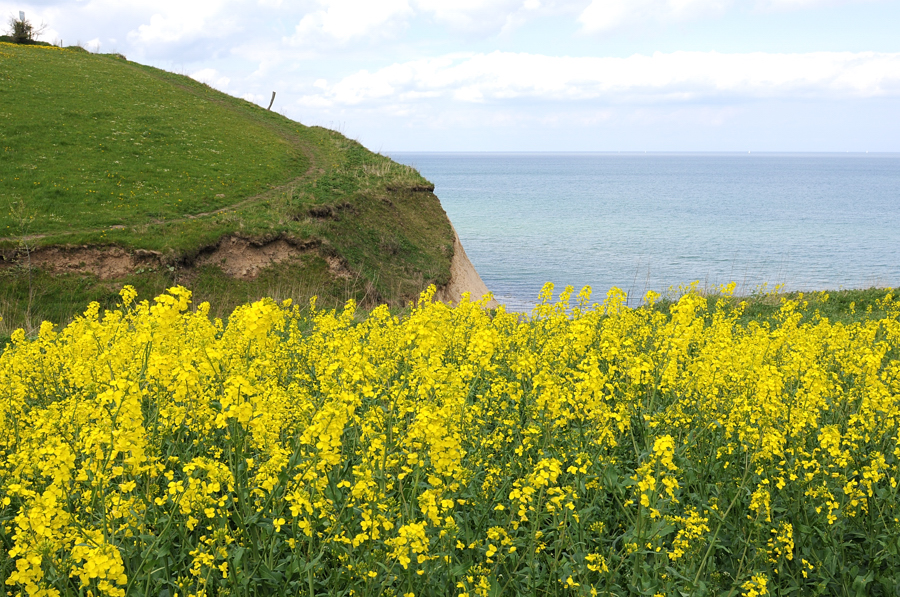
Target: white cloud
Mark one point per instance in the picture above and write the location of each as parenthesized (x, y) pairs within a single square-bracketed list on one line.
[(605, 15), (489, 17), (800, 4), (345, 20), (176, 22), (211, 77), (678, 77), (473, 14), (311, 101), (254, 98)]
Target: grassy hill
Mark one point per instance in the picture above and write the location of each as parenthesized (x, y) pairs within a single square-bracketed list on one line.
[(115, 173)]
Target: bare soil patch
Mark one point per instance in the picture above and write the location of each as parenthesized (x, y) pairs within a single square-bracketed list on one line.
[(104, 262), (237, 257)]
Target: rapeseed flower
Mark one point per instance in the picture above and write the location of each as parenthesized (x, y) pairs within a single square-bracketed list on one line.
[(581, 450)]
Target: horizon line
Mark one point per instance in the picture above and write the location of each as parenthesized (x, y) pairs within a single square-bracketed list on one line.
[(644, 152)]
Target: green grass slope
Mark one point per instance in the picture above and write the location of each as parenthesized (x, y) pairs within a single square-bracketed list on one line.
[(99, 152)]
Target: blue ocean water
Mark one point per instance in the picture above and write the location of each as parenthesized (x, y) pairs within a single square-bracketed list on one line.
[(653, 221)]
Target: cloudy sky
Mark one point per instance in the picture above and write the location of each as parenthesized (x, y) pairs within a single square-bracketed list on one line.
[(529, 75)]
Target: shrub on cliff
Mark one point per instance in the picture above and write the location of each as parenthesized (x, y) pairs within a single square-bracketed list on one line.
[(21, 31)]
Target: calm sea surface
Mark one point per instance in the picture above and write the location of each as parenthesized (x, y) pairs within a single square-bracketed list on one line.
[(651, 221)]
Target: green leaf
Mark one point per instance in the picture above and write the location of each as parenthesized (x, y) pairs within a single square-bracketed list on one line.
[(860, 582), (237, 556)]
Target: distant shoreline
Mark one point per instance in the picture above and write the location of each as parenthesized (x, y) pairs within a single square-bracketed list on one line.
[(810, 154)]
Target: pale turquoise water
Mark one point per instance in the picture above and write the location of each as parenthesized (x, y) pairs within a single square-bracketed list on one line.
[(651, 221)]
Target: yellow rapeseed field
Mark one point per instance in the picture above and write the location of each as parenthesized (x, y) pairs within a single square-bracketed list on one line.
[(585, 450)]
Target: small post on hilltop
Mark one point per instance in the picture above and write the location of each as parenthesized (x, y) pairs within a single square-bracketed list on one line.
[(271, 102)]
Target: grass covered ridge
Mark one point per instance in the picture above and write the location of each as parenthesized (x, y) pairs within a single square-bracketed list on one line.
[(103, 152)]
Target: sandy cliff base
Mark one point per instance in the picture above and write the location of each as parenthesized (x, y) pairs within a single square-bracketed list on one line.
[(463, 278)]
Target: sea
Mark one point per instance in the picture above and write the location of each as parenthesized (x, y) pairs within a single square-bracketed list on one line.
[(661, 221)]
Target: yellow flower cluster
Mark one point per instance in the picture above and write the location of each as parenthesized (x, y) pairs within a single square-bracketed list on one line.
[(588, 449), (29, 46)]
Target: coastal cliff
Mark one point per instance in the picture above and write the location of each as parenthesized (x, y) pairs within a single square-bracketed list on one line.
[(153, 180)]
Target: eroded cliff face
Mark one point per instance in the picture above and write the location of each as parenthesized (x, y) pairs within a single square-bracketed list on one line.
[(463, 278), (237, 257)]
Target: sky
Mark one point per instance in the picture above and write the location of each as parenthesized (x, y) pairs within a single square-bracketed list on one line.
[(528, 75)]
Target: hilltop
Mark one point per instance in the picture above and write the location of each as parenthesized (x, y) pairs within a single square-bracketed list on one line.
[(114, 173)]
